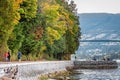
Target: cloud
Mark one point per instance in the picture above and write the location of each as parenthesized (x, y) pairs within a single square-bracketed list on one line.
[(89, 37), (100, 36), (112, 36), (85, 36), (94, 6)]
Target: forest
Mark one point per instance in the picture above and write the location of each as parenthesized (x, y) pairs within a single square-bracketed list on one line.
[(40, 29)]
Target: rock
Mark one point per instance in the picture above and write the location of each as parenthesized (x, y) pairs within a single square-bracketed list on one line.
[(10, 73), (6, 78)]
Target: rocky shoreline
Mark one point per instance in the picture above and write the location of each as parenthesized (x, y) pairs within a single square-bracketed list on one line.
[(10, 73), (57, 75)]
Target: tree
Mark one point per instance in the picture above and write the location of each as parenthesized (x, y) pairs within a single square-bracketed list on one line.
[(28, 9), (9, 17)]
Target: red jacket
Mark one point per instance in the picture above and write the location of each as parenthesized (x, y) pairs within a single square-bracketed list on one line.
[(6, 54)]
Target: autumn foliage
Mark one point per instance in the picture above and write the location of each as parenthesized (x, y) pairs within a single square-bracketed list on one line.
[(40, 29)]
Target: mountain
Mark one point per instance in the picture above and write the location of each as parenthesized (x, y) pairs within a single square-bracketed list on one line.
[(99, 26)]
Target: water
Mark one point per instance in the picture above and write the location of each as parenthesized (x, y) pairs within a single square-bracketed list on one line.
[(97, 74)]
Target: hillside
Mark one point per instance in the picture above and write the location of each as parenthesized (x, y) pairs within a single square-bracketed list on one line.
[(99, 26), (40, 29)]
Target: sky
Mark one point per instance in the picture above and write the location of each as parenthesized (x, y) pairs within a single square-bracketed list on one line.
[(98, 6)]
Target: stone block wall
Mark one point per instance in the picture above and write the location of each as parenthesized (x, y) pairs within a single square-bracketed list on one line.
[(31, 70)]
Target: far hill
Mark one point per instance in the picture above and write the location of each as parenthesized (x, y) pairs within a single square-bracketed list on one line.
[(99, 26), (99, 21)]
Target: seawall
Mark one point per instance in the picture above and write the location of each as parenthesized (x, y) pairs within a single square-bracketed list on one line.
[(95, 64), (31, 70)]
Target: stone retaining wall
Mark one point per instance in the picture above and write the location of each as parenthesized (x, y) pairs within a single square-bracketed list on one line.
[(31, 70)]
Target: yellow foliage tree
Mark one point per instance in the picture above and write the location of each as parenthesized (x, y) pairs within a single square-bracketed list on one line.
[(28, 9), (55, 20), (52, 35), (9, 17)]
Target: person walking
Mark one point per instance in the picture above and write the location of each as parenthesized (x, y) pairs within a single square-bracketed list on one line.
[(6, 56), (9, 56), (19, 56)]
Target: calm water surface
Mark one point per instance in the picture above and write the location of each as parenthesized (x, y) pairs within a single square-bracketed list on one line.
[(95, 74)]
